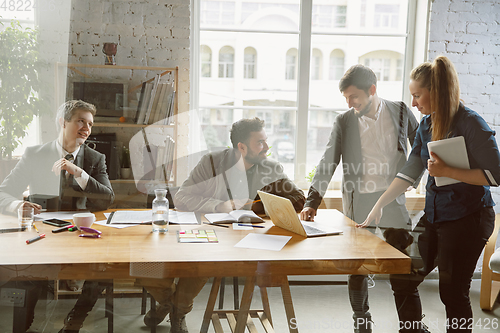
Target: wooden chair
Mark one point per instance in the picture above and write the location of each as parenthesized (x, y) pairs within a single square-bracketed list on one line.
[(490, 281), (263, 315)]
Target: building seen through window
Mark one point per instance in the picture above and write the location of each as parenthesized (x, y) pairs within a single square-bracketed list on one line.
[(291, 64), (262, 44), (206, 61), (226, 62), (250, 63)]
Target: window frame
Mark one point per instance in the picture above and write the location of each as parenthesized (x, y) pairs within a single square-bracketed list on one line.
[(417, 15)]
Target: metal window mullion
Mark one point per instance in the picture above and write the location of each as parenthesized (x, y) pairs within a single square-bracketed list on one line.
[(303, 90), (409, 47)]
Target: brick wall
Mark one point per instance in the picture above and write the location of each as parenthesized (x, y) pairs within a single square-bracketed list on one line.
[(148, 33), (468, 32)]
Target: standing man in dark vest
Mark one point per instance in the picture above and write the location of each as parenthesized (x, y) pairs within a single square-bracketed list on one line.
[(372, 139)]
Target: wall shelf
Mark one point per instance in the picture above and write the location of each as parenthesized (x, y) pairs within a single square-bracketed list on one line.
[(133, 82)]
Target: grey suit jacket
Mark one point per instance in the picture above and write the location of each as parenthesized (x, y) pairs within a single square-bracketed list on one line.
[(345, 142), (34, 170), (205, 187)]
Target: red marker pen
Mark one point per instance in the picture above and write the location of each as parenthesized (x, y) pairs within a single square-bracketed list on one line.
[(29, 241)]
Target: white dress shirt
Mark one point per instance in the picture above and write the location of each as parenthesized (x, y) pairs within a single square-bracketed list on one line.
[(83, 179), (379, 150)]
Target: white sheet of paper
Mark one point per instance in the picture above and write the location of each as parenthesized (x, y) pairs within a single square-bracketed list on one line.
[(263, 242), (182, 217), (117, 226), (132, 216), (174, 217), (57, 215), (239, 227)]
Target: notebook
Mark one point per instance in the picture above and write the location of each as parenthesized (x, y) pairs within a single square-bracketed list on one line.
[(283, 215), (453, 152), (235, 216)]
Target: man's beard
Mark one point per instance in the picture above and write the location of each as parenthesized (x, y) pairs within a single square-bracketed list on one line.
[(256, 158), (365, 110)]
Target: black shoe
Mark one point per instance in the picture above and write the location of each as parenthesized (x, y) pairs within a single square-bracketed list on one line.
[(64, 330), (73, 322)]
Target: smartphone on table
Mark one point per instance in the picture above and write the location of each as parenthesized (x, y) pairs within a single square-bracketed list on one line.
[(56, 222)]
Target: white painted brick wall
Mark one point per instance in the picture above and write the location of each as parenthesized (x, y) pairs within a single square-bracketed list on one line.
[(148, 33), (468, 32)]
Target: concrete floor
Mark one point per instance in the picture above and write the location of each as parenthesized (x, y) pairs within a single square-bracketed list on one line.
[(319, 308)]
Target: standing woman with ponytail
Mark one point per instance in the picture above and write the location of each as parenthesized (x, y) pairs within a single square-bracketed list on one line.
[(460, 217)]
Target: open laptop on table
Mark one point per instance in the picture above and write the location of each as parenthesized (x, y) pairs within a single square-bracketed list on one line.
[(283, 215)]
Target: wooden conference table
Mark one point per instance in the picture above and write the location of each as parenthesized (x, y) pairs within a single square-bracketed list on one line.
[(137, 252)]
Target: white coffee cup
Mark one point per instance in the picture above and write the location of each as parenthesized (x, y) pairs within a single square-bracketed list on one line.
[(83, 219)]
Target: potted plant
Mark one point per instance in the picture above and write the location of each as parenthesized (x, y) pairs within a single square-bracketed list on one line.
[(19, 79), (20, 88), (125, 170)]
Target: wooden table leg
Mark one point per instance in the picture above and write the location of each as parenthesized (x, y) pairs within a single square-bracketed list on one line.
[(287, 301), (153, 313), (265, 304), (109, 306), (210, 305), (246, 300)]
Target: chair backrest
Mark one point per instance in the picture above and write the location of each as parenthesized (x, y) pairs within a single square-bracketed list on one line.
[(495, 262), (488, 293)]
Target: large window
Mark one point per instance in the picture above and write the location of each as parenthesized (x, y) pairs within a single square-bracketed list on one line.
[(341, 34), (206, 61), (381, 67), (329, 16), (316, 64), (250, 63), (386, 16), (226, 62), (336, 64), (217, 12), (291, 64)]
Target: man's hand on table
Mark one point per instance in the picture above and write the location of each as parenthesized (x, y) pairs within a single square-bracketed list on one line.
[(308, 214)]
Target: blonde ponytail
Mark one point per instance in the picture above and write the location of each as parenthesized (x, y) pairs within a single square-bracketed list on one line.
[(444, 96), (441, 79)]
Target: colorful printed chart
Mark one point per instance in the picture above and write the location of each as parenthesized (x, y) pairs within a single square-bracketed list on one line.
[(197, 236)]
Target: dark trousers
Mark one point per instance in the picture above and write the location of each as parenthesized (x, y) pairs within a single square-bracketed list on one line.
[(358, 296), (454, 247), (91, 291), (395, 215)]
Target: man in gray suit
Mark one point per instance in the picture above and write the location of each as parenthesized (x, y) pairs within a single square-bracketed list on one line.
[(72, 175), (221, 182), (372, 140), (64, 171)]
